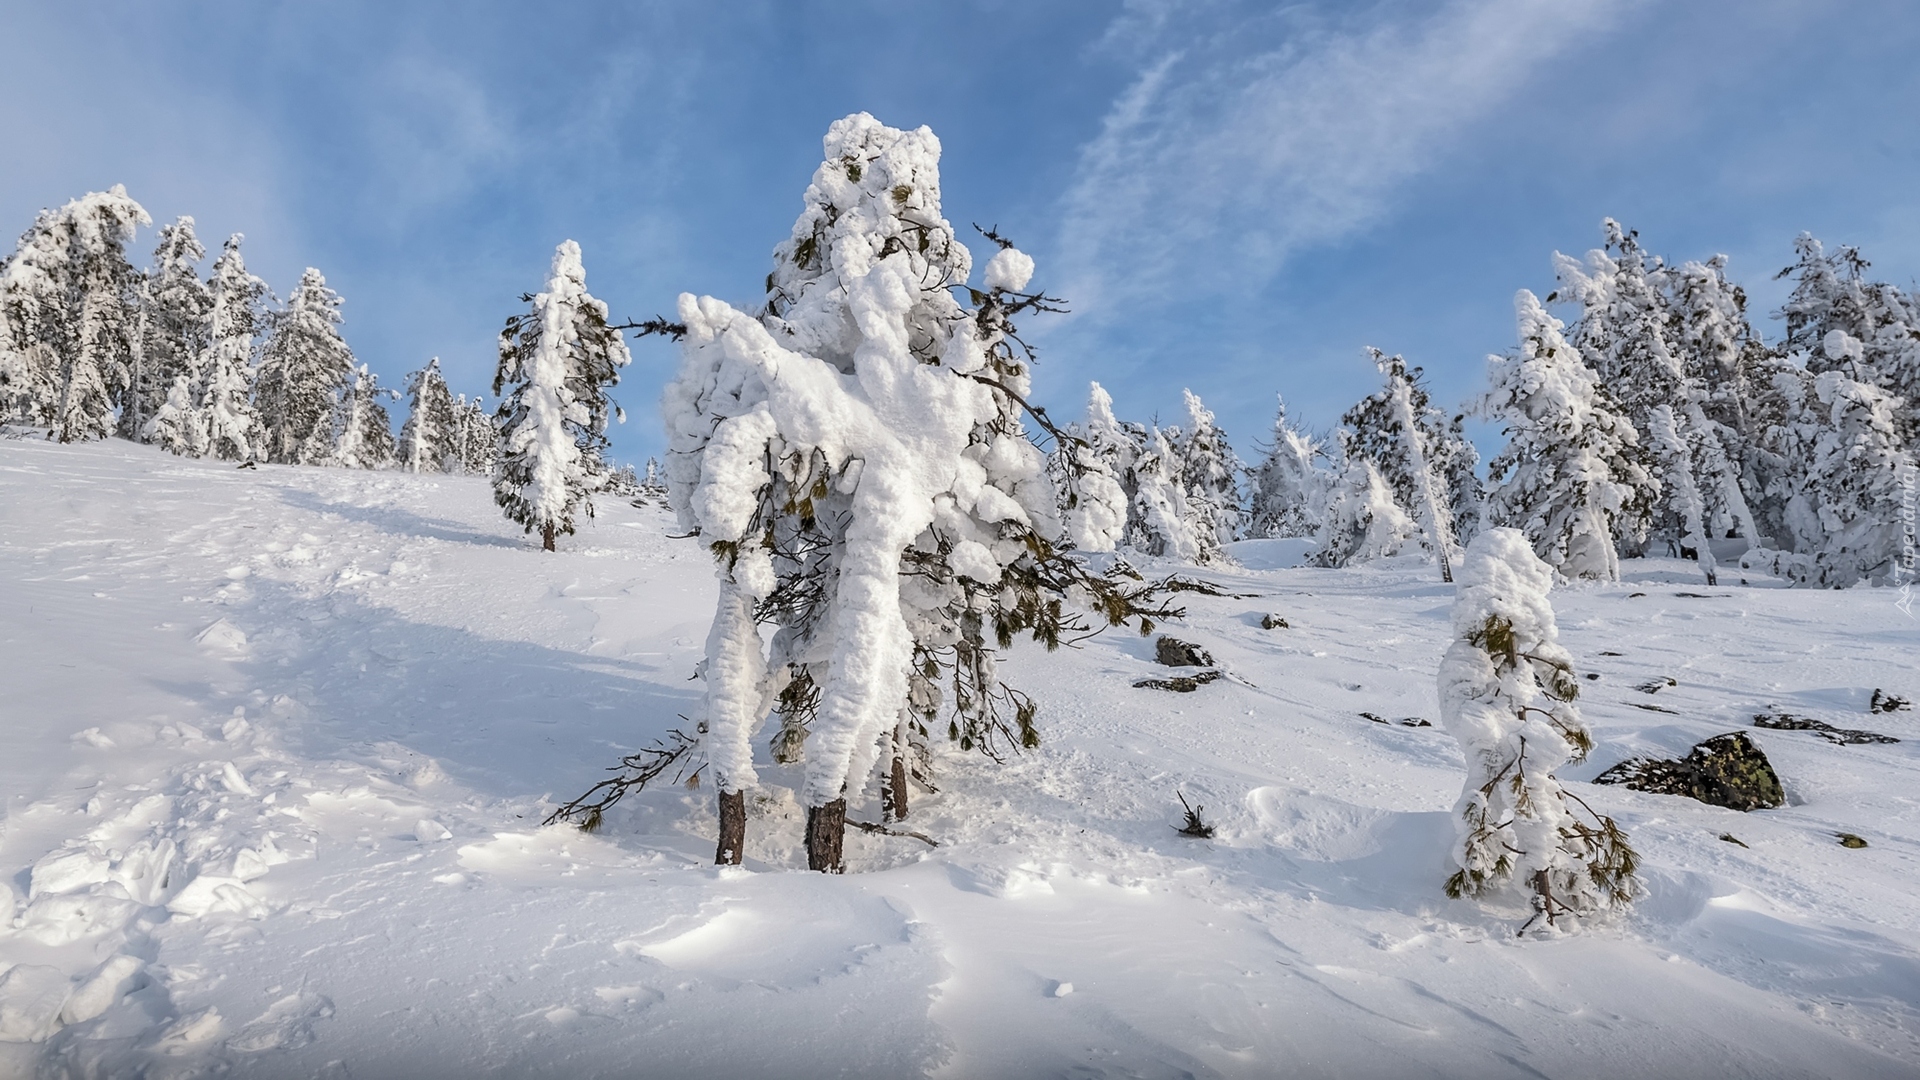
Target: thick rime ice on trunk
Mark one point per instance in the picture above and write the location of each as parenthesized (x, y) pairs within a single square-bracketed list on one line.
[(1507, 692), (1571, 461), (558, 359), (366, 431), (1425, 459), (1683, 495)]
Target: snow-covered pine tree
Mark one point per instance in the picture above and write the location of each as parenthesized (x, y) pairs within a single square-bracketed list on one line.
[(856, 459), (1096, 473), (1725, 363), (305, 368), (477, 443), (1847, 513), (365, 431), (1159, 521), (1507, 691), (556, 362), (1362, 521), (1571, 460), (430, 439), (71, 301), (175, 334), (1210, 481), (1831, 294), (232, 427), (1421, 455), (1289, 489)]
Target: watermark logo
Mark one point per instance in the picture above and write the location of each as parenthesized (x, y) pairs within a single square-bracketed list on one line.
[(1903, 570)]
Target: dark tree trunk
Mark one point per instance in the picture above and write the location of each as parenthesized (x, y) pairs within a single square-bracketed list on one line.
[(894, 796), (827, 836), (546, 536), (733, 828)]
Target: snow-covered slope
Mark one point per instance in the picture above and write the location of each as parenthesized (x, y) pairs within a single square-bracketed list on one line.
[(276, 744)]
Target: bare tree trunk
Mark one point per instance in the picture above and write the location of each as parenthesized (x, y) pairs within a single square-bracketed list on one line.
[(546, 536), (893, 795), (733, 828), (827, 837)]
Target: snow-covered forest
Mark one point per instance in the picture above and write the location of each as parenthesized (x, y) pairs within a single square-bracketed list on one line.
[(345, 749)]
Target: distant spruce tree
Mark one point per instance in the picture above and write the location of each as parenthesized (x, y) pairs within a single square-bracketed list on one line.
[(557, 360), (305, 369), (430, 439), (234, 319), (364, 431), (1289, 487), (175, 325)]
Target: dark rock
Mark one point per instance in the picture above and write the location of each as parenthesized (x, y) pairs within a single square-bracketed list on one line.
[(1173, 652), (1405, 721), (1270, 621), (1654, 686), (1838, 736), (1847, 839), (1883, 702), (1732, 839), (1180, 684), (1726, 770)]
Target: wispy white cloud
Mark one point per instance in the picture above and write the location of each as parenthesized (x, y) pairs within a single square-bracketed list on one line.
[(1246, 139)]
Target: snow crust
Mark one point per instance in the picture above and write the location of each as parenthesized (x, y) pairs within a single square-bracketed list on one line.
[(412, 666)]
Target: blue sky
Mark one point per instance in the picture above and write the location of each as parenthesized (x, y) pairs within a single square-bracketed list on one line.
[(1235, 197)]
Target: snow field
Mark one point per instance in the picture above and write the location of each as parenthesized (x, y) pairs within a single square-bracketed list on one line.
[(276, 744)]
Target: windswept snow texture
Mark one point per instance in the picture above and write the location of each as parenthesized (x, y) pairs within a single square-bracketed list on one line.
[(277, 743)]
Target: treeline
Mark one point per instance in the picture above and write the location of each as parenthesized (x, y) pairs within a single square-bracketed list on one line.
[(1659, 421), (92, 347)]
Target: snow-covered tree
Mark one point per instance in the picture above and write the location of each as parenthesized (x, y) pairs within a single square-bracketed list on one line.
[(856, 459), (178, 425), (1289, 487), (1362, 521), (430, 439), (1210, 481), (231, 425), (1848, 511), (476, 443), (1571, 461), (71, 304), (1095, 474), (365, 431), (1831, 294), (1507, 691), (1160, 521), (175, 335), (556, 362), (1425, 460), (304, 370), (1725, 362)]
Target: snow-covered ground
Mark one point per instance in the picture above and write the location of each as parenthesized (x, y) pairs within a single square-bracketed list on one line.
[(275, 745)]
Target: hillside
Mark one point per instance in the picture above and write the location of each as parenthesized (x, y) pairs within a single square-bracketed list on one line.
[(277, 743)]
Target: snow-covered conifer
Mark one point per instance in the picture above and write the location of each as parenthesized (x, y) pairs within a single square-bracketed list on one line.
[(1725, 362), (430, 439), (1831, 294), (1507, 691), (178, 425), (304, 370), (857, 460), (477, 444), (1289, 487), (556, 362), (1160, 521), (364, 438), (1425, 460), (71, 301), (1571, 460), (1362, 521), (174, 323), (1096, 477), (1210, 480), (1844, 515), (233, 318)]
